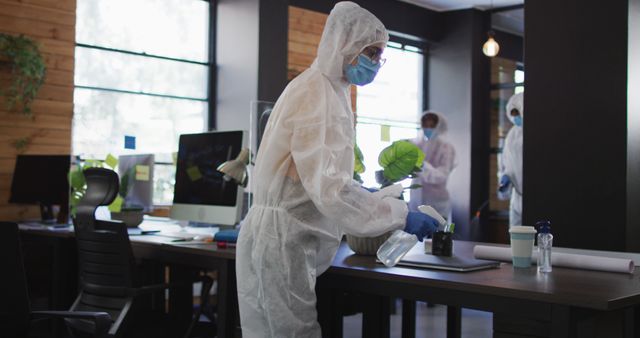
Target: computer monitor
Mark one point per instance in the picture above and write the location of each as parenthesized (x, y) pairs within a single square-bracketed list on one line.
[(136, 171), (201, 193), (42, 179)]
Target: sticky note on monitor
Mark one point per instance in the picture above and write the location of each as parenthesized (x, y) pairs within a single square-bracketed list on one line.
[(129, 142), (111, 161), (385, 133), (194, 173), (142, 172)]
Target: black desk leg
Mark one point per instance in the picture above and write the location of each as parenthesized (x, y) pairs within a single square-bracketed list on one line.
[(454, 319), (631, 321), (375, 318), (408, 318), (64, 283), (562, 322), (228, 312), (330, 305), (181, 296)]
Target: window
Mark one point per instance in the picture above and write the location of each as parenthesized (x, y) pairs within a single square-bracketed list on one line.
[(389, 108), (142, 70)]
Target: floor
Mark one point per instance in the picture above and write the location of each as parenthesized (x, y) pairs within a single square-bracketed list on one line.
[(430, 322)]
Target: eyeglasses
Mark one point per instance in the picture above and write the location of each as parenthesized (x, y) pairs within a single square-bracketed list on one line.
[(375, 55)]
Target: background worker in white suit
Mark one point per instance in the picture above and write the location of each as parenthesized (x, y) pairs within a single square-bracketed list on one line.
[(510, 171), (439, 162)]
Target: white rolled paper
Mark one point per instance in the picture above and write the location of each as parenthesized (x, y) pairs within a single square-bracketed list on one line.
[(560, 259)]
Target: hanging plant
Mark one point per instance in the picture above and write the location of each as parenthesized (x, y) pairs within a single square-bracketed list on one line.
[(27, 71)]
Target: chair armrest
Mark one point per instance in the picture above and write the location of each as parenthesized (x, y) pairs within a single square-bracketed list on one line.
[(152, 288), (159, 287), (102, 320)]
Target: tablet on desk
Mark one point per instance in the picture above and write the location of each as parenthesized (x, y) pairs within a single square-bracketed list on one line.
[(418, 259), (454, 263)]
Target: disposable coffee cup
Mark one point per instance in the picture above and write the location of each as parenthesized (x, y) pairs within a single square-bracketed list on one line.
[(522, 238)]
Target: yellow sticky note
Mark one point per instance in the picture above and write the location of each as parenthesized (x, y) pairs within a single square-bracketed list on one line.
[(116, 205), (111, 161), (194, 173), (174, 156), (385, 133), (142, 172)]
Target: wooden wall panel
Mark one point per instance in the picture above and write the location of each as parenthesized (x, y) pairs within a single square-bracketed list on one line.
[(305, 31), (52, 24)]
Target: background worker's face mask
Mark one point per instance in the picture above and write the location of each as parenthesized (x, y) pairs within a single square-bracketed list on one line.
[(428, 132), (363, 72), (517, 121)]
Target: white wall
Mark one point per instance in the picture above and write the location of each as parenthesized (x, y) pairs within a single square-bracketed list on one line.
[(237, 57)]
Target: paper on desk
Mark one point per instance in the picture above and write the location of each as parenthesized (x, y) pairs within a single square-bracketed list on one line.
[(560, 259)]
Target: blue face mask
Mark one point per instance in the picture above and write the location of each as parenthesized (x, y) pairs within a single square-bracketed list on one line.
[(362, 73), (517, 121), (428, 132)]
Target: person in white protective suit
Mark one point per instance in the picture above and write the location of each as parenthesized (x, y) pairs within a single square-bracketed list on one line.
[(305, 198), (510, 166), (439, 161)]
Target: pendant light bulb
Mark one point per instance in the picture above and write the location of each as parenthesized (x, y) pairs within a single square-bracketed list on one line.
[(491, 47)]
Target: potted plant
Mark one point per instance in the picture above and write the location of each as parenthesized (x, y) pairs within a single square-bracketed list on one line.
[(399, 161), (27, 69)]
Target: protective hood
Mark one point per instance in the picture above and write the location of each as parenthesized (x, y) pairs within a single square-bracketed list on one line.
[(442, 126), (349, 29), (515, 102)]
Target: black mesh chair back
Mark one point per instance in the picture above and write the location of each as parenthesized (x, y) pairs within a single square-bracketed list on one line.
[(14, 304), (105, 259)]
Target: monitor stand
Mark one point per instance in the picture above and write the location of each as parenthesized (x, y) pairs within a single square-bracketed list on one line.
[(48, 213)]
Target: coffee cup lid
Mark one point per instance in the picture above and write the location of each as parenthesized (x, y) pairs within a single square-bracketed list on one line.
[(521, 229)]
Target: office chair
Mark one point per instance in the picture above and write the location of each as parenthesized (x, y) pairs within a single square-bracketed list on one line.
[(15, 311), (106, 264)]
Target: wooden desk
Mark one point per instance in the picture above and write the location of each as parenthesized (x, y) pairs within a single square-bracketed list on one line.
[(525, 303), (183, 258), (565, 303)]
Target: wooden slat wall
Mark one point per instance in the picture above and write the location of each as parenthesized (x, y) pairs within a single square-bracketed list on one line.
[(52, 24), (305, 31)]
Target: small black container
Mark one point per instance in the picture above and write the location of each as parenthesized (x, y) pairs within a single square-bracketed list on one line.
[(442, 244)]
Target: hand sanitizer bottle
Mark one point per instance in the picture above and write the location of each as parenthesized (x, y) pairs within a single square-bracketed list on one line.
[(545, 242), (395, 247)]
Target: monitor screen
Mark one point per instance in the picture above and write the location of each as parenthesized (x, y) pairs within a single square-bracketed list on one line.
[(136, 180), (41, 179), (201, 193)]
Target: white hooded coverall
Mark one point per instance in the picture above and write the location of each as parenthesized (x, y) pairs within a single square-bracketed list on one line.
[(304, 196), (511, 161), (439, 161)]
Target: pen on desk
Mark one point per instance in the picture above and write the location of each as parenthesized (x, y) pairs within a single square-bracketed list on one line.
[(183, 239)]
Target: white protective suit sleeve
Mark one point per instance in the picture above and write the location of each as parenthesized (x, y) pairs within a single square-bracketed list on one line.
[(506, 194), (324, 162), (439, 174)]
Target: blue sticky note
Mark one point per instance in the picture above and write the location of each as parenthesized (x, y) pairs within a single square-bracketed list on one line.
[(129, 142)]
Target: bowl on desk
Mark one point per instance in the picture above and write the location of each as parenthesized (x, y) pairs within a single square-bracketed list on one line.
[(367, 245), (131, 217)]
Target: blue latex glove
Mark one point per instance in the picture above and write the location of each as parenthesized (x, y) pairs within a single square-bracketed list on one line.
[(420, 224), (504, 183)]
